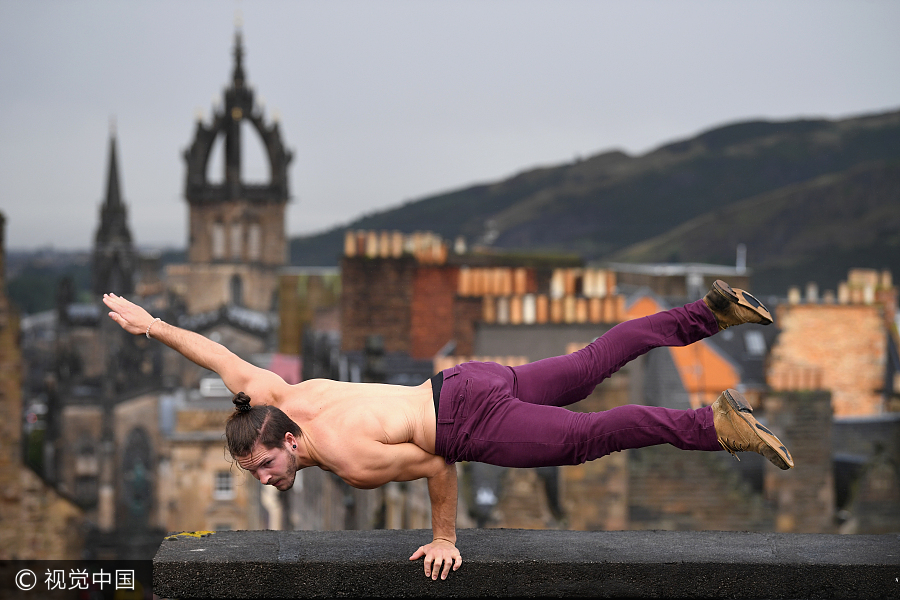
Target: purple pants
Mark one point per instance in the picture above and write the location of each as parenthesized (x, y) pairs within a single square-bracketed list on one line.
[(513, 416)]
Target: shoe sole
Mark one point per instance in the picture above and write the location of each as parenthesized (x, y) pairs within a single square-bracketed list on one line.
[(743, 409), (745, 299)]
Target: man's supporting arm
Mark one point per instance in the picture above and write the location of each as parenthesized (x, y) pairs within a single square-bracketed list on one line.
[(441, 553)]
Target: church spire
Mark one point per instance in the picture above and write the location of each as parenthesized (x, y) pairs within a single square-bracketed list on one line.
[(113, 196), (114, 258)]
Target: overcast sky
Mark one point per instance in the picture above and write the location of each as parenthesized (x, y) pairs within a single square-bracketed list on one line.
[(388, 101)]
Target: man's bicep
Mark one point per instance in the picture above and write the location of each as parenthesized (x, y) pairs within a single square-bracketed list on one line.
[(242, 376)]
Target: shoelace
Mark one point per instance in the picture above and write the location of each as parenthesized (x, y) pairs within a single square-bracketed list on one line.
[(732, 448)]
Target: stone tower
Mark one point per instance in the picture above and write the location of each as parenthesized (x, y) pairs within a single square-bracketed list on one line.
[(236, 232), (114, 260)]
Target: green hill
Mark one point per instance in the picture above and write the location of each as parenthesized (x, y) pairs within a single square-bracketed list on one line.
[(811, 231), (601, 206)]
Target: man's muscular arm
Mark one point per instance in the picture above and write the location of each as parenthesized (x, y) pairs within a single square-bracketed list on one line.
[(441, 553), (374, 464), (237, 374)]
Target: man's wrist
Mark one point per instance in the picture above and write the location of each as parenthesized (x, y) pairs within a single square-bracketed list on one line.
[(444, 539), (147, 333)]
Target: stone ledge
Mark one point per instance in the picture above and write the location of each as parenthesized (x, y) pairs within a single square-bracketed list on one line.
[(515, 562)]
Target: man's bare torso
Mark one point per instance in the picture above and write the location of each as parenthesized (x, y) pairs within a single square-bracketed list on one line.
[(347, 426)]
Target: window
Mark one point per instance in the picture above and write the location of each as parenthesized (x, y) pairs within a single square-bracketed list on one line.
[(756, 343), (237, 290), (223, 487), (236, 241), (254, 242), (218, 240)]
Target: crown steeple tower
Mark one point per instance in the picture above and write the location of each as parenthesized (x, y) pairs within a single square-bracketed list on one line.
[(236, 229)]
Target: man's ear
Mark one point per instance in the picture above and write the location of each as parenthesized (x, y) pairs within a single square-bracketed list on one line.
[(290, 439)]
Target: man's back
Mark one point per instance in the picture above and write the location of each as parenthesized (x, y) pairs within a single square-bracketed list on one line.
[(350, 428)]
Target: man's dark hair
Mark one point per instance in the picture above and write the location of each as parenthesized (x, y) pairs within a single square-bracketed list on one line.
[(248, 425)]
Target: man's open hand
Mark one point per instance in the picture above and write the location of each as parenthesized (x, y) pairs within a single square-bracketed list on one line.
[(130, 316), (439, 555)]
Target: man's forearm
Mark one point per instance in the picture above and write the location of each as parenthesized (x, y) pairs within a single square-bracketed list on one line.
[(442, 489)]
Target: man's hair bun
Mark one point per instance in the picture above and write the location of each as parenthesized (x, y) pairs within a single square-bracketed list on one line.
[(241, 402)]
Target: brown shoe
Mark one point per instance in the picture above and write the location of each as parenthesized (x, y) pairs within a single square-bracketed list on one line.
[(739, 431), (732, 306)]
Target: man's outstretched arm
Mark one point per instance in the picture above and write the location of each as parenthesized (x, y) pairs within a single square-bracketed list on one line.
[(441, 554), (237, 374)]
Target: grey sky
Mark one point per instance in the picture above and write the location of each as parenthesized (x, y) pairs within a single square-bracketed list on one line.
[(389, 101)]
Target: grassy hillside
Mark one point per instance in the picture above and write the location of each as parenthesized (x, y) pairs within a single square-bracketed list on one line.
[(600, 206), (811, 231)]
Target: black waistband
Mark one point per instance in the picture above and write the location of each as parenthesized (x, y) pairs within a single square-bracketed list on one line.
[(436, 382)]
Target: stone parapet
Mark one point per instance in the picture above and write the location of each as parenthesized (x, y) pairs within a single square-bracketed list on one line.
[(521, 563)]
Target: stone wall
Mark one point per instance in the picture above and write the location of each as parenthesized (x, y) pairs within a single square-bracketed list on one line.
[(671, 489), (187, 494), (191, 459), (205, 287), (79, 454), (238, 218), (35, 521), (804, 496)]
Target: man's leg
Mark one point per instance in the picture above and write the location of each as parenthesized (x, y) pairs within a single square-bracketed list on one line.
[(531, 429), (563, 380), (519, 434)]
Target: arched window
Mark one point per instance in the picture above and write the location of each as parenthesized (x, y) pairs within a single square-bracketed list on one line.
[(254, 242), (218, 241), (237, 242)]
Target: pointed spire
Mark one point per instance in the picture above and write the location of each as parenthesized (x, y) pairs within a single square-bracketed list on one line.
[(238, 76), (113, 196)]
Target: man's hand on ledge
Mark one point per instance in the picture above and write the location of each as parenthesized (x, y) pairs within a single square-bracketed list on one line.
[(439, 553)]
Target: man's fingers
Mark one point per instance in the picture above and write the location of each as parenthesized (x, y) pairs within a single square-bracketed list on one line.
[(446, 570), (438, 561), (418, 553), (436, 570)]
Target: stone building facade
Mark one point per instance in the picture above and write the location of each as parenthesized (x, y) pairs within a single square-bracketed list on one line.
[(36, 522)]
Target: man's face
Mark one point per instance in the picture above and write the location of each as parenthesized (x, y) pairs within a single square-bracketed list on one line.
[(271, 466)]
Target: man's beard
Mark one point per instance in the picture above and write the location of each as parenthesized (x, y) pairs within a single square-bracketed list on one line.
[(292, 468)]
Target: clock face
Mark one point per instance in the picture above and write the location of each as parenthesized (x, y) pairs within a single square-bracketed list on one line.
[(236, 113)]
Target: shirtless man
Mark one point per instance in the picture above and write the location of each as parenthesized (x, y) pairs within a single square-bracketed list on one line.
[(370, 434)]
